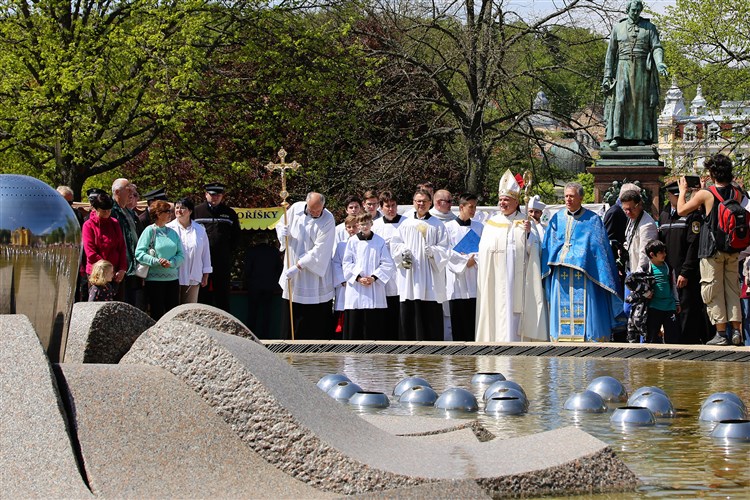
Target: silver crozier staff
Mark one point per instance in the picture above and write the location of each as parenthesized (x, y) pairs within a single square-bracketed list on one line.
[(283, 167), (527, 181)]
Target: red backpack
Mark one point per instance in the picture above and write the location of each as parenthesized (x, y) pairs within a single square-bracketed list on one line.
[(732, 232)]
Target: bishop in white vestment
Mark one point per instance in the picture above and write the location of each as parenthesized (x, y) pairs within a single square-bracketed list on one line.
[(510, 296)]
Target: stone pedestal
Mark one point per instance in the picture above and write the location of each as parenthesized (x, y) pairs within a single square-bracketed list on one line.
[(634, 163)]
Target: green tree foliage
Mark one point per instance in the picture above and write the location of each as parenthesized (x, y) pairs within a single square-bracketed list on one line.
[(88, 86)]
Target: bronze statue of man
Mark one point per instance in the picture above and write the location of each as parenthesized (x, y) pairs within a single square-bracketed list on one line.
[(635, 59)]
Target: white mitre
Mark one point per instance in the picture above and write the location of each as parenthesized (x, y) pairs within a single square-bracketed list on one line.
[(536, 203), (509, 186)]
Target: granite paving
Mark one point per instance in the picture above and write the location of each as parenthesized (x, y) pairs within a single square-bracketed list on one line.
[(296, 427), (209, 317), (144, 434), (37, 459)]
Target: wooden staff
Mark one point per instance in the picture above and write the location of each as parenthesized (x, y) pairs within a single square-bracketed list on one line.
[(283, 167)]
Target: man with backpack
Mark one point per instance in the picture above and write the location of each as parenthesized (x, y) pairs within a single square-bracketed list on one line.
[(723, 236)]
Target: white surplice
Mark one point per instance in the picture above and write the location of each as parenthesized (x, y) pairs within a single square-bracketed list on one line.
[(426, 278), (386, 230), (461, 280), (504, 297), (364, 257), (337, 270), (310, 245)]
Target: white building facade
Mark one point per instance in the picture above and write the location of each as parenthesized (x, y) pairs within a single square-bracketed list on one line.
[(688, 136)]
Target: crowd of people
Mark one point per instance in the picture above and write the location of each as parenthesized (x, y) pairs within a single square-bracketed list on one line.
[(171, 254), (432, 274)]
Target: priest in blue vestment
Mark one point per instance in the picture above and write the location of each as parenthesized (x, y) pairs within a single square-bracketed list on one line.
[(579, 273)]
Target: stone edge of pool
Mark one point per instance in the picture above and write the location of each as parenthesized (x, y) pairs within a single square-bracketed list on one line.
[(549, 349)]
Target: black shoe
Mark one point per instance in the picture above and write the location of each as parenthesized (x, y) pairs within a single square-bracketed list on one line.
[(718, 340), (737, 337)]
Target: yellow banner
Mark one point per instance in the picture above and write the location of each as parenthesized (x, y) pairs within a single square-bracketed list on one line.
[(259, 218)]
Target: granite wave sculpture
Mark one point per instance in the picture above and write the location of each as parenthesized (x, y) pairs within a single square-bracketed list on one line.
[(288, 421)]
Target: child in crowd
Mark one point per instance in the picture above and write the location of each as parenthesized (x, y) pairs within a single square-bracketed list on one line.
[(339, 282), (101, 288), (368, 266), (664, 305)]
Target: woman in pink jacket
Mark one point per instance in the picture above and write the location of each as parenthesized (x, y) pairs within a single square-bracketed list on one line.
[(102, 237)]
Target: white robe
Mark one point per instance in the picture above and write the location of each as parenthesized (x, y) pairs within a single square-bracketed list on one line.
[(340, 235), (337, 271), (461, 280), (426, 278), (310, 245), (504, 298), (386, 230), (367, 258)]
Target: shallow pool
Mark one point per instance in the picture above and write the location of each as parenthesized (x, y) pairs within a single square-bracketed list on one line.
[(677, 458)]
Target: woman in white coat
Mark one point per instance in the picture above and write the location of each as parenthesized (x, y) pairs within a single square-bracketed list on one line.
[(196, 267)]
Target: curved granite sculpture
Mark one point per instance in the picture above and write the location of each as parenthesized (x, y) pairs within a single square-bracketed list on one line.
[(294, 426), (102, 332)]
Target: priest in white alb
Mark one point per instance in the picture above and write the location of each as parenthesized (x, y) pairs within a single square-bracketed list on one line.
[(310, 230), (510, 297), (420, 251)]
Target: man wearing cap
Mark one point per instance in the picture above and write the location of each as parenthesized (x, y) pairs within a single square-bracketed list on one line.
[(681, 235), (535, 209), (307, 239), (510, 297), (150, 197), (132, 284), (579, 273), (223, 230)]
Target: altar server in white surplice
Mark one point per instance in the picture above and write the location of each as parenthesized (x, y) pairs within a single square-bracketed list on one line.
[(310, 228), (420, 250), (368, 267), (462, 270), (353, 206), (385, 227), (510, 306), (339, 282)]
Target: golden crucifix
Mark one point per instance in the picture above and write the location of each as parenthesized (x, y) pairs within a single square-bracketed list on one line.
[(283, 166)]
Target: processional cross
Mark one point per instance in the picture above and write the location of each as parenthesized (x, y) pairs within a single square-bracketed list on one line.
[(283, 166)]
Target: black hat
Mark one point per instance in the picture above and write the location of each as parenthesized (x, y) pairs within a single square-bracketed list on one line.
[(94, 192), (156, 194), (672, 188), (215, 188)]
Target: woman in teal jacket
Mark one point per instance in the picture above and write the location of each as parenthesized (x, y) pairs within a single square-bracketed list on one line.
[(159, 247)]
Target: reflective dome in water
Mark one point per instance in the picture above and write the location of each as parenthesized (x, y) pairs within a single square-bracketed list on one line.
[(732, 429), (586, 401), (721, 409), (40, 251), (506, 405), (343, 390), (409, 382), (371, 399), (609, 388), (632, 415), (645, 390), (509, 392), (486, 378), (418, 396), (328, 381), (457, 399), (659, 404), (502, 384), (725, 396)]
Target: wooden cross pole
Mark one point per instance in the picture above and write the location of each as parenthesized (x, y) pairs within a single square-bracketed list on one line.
[(283, 166)]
